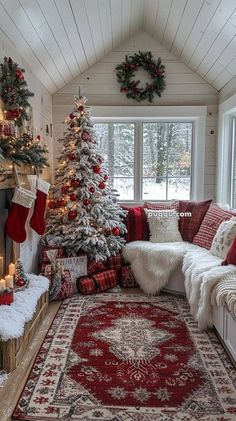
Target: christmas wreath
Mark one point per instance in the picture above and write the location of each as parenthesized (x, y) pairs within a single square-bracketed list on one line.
[(13, 92), (126, 71)]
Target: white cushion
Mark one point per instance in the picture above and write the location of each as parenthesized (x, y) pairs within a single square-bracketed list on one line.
[(224, 236), (163, 226)]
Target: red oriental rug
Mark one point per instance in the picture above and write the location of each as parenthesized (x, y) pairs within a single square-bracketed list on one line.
[(121, 358)]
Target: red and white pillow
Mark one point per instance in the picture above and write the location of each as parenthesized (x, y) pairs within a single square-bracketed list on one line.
[(190, 224), (223, 239), (212, 220)]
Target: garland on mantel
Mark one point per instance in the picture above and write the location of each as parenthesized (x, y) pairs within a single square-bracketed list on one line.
[(126, 71)]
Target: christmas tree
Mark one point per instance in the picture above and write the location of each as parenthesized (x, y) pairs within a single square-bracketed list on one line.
[(21, 279), (83, 213)]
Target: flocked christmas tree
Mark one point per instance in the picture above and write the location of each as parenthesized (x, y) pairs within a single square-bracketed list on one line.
[(83, 212)]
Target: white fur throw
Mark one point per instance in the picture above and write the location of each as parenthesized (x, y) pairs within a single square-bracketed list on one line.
[(202, 273), (163, 225), (153, 263), (14, 317)]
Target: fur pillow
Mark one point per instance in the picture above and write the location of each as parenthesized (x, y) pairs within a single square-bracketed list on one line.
[(163, 226), (223, 239)]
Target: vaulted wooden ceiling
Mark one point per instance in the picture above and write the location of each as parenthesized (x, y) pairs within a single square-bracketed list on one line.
[(62, 38)]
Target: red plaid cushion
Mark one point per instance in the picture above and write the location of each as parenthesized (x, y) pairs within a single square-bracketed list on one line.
[(162, 206), (99, 282), (213, 218), (94, 267), (189, 226), (136, 224), (114, 262), (127, 279)]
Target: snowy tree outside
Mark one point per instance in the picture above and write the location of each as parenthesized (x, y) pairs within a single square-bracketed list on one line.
[(166, 159)]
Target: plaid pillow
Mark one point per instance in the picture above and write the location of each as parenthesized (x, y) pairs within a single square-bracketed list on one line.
[(207, 231), (160, 206), (189, 226), (136, 224)]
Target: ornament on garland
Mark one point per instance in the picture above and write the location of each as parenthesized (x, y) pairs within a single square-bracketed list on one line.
[(126, 71), (14, 92), (21, 280)]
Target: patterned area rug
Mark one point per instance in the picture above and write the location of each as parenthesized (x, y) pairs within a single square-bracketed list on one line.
[(128, 357)]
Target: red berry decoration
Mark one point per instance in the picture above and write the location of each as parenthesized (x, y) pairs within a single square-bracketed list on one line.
[(81, 108), (51, 204), (96, 169), (19, 74), (72, 214), (92, 189), (75, 182), (105, 177), (86, 202), (20, 282), (73, 197), (86, 136), (102, 185), (38, 137), (64, 189), (72, 125), (71, 115), (71, 156), (115, 231)]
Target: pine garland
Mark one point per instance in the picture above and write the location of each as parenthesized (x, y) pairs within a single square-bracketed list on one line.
[(13, 92), (126, 71)]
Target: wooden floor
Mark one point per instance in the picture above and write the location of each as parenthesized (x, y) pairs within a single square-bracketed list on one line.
[(9, 394)]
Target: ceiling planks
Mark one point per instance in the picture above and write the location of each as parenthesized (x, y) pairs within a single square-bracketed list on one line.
[(61, 39)]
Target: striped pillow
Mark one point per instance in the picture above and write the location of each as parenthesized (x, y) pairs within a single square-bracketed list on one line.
[(136, 224), (212, 220)]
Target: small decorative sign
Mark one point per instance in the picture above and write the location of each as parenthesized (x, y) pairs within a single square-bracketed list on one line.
[(76, 265)]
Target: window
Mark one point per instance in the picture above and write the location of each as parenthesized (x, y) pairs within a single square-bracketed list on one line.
[(233, 170), (153, 153)]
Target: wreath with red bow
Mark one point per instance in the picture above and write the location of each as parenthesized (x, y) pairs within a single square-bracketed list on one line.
[(126, 71)]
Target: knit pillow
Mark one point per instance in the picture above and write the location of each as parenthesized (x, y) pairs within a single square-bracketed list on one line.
[(190, 224), (136, 224), (231, 255), (163, 225), (213, 218), (223, 238)]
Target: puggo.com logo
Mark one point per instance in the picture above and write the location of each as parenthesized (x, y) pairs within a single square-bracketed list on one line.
[(169, 214)]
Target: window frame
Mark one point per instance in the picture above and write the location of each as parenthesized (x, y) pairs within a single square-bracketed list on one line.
[(139, 115)]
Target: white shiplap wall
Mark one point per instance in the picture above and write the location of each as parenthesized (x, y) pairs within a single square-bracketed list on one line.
[(184, 87), (42, 115)]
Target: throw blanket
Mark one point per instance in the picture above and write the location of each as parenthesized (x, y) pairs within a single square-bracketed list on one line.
[(153, 263), (225, 293), (202, 273)]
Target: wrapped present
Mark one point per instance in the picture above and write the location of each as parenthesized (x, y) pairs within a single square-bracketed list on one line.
[(94, 267), (58, 250), (127, 279), (114, 262), (98, 282)]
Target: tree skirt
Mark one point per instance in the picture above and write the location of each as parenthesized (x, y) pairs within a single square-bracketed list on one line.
[(128, 357)]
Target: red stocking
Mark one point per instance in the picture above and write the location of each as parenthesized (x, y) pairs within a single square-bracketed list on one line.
[(21, 204), (37, 221)]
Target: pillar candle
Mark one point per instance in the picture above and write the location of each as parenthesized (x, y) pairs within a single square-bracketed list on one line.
[(2, 284), (9, 281), (12, 269)]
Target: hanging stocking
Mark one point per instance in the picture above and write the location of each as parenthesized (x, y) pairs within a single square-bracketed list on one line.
[(37, 221), (21, 204)]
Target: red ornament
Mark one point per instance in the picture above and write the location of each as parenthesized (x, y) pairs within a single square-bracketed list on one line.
[(72, 125), (73, 197), (86, 136), (19, 74), (115, 231), (96, 169), (86, 202), (71, 156), (92, 189), (38, 137), (102, 185), (51, 204), (71, 115), (81, 108), (75, 182), (72, 214), (9, 115), (60, 203), (100, 160), (20, 282), (105, 177), (65, 189)]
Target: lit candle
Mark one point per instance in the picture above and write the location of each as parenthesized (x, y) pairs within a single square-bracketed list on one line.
[(12, 269), (9, 281), (1, 265), (2, 284)]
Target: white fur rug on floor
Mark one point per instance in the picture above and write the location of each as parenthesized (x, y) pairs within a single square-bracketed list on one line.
[(153, 263), (3, 377), (14, 317)]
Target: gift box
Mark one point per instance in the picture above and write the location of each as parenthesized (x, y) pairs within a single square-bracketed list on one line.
[(98, 282), (114, 262), (60, 286), (127, 279), (94, 267), (6, 298)]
